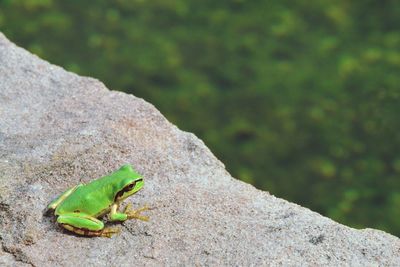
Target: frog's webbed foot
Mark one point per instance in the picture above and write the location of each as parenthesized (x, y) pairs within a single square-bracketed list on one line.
[(135, 214), (109, 231)]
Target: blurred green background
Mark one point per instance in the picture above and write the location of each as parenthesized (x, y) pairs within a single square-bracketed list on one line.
[(300, 98)]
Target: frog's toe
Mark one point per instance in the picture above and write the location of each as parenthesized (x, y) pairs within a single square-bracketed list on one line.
[(135, 214), (139, 217), (128, 208), (110, 231)]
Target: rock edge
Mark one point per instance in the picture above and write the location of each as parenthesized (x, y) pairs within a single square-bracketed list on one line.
[(58, 129)]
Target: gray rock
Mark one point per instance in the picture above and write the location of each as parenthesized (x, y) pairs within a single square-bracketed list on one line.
[(58, 129)]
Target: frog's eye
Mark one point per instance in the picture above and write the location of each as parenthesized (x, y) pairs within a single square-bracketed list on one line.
[(127, 188)]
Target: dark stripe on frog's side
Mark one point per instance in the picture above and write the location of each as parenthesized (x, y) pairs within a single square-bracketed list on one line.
[(126, 189)]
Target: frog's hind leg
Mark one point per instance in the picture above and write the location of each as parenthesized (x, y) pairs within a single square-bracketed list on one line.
[(105, 232), (85, 225)]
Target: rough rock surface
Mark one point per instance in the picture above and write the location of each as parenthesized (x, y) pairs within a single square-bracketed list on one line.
[(58, 129)]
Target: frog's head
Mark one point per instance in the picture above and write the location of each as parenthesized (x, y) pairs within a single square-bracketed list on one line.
[(129, 184)]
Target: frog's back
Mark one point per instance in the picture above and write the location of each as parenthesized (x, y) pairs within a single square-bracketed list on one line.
[(92, 199)]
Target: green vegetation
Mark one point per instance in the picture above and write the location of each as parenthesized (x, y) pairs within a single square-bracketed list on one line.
[(300, 98)]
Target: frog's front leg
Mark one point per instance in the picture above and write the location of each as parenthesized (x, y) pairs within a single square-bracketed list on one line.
[(127, 214), (83, 224)]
